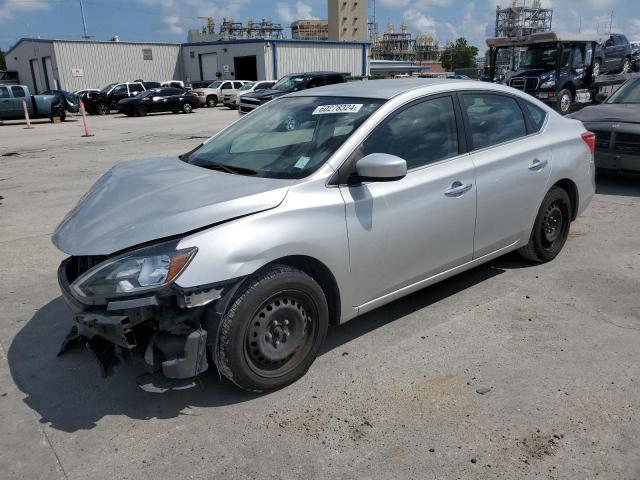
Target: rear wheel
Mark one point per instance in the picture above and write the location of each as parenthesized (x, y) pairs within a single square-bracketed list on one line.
[(102, 109), (187, 108), (271, 333), (212, 101), (551, 227), (597, 67)]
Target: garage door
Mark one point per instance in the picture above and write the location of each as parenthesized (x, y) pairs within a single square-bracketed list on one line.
[(208, 66)]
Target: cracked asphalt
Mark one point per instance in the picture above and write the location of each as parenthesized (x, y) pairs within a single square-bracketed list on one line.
[(554, 350)]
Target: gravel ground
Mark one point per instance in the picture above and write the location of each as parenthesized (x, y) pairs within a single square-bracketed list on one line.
[(511, 370)]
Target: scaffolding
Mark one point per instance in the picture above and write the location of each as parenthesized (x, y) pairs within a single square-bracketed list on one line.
[(230, 30), (401, 46), (310, 30), (523, 17)]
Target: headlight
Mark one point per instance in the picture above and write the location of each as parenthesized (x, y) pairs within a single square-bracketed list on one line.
[(548, 84), (138, 271)]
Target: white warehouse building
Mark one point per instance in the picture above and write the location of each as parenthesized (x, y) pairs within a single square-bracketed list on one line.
[(76, 64)]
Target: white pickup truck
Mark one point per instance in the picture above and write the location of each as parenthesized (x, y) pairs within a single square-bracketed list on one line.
[(38, 106), (212, 94)]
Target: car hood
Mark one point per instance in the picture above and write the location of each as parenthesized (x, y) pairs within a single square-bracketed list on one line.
[(127, 100), (204, 90), (529, 72), (624, 113), (268, 94), (141, 201)]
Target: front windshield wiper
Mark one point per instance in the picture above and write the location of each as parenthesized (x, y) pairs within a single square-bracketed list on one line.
[(229, 169)]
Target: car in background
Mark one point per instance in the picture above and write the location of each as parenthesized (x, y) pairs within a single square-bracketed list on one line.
[(230, 100), (159, 100), (106, 100), (613, 55), (38, 106), (635, 56), (212, 94), (288, 84), (616, 124), (81, 93), (312, 210), (173, 84), (71, 100)]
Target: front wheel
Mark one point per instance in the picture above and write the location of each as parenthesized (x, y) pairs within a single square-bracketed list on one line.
[(102, 109), (212, 101), (565, 101), (187, 108), (626, 66), (271, 333), (550, 229)]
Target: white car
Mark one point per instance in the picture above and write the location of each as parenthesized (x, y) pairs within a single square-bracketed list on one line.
[(212, 94), (231, 99)]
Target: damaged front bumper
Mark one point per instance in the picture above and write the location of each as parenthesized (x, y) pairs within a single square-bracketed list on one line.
[(168, 329)]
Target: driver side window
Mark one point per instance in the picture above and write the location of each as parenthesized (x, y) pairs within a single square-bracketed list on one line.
[(421, 134)]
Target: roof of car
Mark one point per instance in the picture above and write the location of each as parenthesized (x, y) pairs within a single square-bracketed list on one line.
[(384, 89)]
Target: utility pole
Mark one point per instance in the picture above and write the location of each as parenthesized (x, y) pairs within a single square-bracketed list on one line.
[(610, 22), (84, 23)]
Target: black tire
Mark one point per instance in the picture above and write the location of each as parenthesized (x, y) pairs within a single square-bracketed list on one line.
[(141, 111), (212, 101), (102, 109), (187, 108), (551, 227), (272, 331), (597, 67), (565, 101), (626, 66)]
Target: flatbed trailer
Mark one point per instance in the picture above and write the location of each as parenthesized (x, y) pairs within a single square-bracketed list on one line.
[(556, 70)]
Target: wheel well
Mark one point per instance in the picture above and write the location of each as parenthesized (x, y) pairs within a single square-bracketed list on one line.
[(212, 95), (571, 189), (321, 274), (571, 87)]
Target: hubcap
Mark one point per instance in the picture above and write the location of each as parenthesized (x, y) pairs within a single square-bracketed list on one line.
[(280, 333), (553, 225), (565, 103)]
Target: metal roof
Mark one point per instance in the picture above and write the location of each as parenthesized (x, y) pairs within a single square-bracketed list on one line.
[(110, 42)]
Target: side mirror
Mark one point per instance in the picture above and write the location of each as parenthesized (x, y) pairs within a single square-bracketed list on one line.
[(381, 167), (601, 97)]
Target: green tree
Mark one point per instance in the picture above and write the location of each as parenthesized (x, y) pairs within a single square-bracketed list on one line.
[(459, 54), (3, 64)]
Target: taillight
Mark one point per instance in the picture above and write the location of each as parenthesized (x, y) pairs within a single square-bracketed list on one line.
[(590, 139)]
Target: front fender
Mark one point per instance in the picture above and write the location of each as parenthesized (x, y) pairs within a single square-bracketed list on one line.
[(309, 222)]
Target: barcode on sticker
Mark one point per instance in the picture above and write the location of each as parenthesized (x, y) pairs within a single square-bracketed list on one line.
[(339, 108)]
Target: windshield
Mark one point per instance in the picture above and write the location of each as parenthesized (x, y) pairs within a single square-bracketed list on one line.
[(107, 88), (215, 84), (543, 57), (286, 138), (627, 93), (148, 93), (247, 86), (289, 83)]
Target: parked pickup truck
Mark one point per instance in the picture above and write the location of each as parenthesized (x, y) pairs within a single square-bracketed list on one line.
[(614, 55), (38, 106), (559, 71)]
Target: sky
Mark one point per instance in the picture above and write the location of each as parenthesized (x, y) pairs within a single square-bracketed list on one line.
[(169, 20)]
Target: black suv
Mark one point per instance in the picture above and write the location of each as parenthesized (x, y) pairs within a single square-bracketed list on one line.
[(613, 55), (102, 102), (287, 84)]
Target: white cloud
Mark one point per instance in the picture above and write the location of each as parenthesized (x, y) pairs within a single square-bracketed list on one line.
[(289, 14), (173, 25), (416, 4), (9, 8), (419, 22)]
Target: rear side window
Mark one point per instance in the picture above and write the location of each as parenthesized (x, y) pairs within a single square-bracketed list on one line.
[(536, 115), (331, 79), (493, 119), (135, 87), (316, 82), (237, 85), (18, 91), (4, 92), (422, 133)]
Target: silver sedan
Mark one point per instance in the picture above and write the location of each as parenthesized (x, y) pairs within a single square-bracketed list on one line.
[(313, 209)]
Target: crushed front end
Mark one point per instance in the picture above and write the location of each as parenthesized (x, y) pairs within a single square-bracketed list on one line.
[(127, 307)]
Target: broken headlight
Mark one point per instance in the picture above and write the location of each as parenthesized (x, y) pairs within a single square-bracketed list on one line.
[(133, 272)]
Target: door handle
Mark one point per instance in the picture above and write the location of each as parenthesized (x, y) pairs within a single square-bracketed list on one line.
[(458, 189), (538, 165)]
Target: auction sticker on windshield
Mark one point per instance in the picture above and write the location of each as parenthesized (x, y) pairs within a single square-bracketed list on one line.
[(338, 108)]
